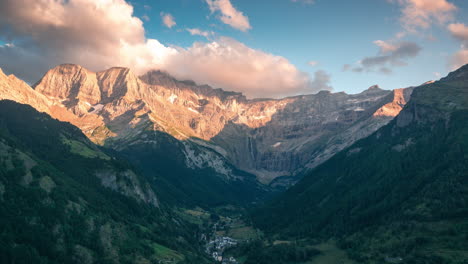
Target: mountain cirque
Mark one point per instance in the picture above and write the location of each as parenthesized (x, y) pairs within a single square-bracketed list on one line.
[(266, 137)]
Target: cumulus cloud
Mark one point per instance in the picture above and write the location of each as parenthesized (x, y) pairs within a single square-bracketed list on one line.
[(27, 64), (421, 14), (459, 59), (199, 32), (385, 46), (232, 65), (229, 14), (389, 55), (321, 81), (168, 20), (460, 32), (49, 32)]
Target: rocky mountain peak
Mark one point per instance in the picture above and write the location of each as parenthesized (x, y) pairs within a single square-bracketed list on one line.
[(70, 82), (160, 78), (79, 88), (374, 87), (116, 82), (12, 88), (399, 98), (267, 137), (157, 77), (373, 90), (459, 75)]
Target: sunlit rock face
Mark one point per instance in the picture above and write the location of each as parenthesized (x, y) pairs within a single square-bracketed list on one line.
[(393, 108), (15, 89), (267, 137)]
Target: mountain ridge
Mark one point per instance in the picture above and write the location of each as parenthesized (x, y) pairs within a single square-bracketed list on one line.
[(116, 104), (397, 192), (65, 200)]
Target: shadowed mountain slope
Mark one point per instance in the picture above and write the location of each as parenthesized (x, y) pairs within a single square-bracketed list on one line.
[(65, 200), (403, 191)]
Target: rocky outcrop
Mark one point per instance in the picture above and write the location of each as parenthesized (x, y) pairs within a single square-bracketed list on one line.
[(32, 143), (267, 137), (76, 83), (14, 89), (392, 109), (127, 183)]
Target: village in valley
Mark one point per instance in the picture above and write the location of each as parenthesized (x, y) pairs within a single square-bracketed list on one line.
[(223, 231), (216, 248), (218, 243)]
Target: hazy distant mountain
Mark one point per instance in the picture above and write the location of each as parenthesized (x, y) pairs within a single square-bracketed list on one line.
[(400, 194), (215, 128)]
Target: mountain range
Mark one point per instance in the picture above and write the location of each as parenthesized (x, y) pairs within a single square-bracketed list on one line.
[(110, 167), (400, 194), (274, 139)]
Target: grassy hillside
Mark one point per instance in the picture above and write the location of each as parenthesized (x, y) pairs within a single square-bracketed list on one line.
[(398, 196)]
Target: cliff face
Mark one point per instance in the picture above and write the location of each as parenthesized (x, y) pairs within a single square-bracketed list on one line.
[(15, 89), (409, 177), (266, 137)]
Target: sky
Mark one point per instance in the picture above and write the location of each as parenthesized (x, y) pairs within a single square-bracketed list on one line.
[(263, 48)]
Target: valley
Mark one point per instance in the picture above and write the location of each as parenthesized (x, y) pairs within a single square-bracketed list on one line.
[(268, 138), (128, 157), (233, 132)]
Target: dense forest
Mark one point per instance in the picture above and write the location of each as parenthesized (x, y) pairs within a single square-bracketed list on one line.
[(63, 200), (180, 185), (397, 196), (401, 193)]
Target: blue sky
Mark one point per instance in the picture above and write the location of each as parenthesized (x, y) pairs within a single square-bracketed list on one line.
[(416, 42), (331, 32)]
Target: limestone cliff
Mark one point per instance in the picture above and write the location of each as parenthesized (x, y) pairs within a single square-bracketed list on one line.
[(267, 137)]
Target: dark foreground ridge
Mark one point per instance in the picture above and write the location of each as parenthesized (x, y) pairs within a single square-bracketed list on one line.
[(399, 194)]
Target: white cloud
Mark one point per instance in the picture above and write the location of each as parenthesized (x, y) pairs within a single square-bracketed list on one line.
[(389, 55), (199, 32), (421, 14), (313, 63), (230, 64), (460, 32), (89, 32), (385, 46), (459, 59), (50, 32), (321, 81), (168, 20), (229, 14)]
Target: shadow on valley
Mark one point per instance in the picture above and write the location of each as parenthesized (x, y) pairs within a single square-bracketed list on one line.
[(279, 151), (397, 196), (162, 159), (64, 200)]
